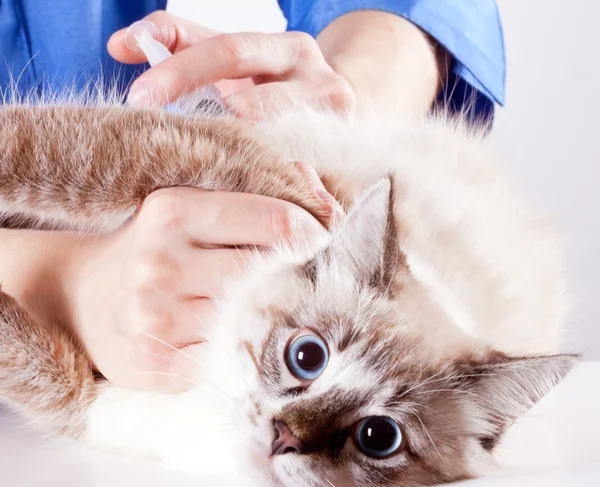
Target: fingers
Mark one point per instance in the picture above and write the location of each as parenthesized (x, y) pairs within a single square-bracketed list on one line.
[(165, 324), (174, 32), (289, 68), (158, 316), (221, 218), (167, 328), (163, 278), (230, 56), (266, 100), (171, 265), (208, 272), (311, 175), (148, 364), (162, 368)]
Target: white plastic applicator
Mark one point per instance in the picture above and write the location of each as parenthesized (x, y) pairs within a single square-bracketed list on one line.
[(141, 36)]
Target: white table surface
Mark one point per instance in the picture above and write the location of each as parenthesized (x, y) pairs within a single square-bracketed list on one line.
[(556, 445)]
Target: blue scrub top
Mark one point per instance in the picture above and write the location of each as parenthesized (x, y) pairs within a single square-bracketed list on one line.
[(53, 44)]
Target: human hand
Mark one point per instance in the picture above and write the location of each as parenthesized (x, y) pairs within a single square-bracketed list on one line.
[(268, 72), (141, 296)]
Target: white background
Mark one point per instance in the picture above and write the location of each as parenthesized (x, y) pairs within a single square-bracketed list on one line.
[(548, 129), (547, 132)]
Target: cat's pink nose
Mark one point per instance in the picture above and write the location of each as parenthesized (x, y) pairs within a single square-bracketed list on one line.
[(285, 441)]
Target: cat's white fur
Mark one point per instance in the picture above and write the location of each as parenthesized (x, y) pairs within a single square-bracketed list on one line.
[(458, 210), (453, 184)]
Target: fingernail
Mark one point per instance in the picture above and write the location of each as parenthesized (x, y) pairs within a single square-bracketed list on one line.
[(337, 217), (309, 173), (140, 94), (136, 29), (138, 98), (326, 197), (311, 231), (333, 205)]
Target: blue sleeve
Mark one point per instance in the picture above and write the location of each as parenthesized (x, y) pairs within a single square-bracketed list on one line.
[(61, 44), (470, 30)]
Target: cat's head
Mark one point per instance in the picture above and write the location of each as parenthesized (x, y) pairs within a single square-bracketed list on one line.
[(355, 376)]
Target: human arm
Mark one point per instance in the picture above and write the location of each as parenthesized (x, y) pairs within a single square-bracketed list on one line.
[(34, 268), (470, 31), (390, 63), (137, 296), (387, 52), (332, 70)]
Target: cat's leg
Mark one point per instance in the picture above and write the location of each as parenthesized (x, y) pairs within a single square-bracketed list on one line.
[(44, 374), (93, 167)]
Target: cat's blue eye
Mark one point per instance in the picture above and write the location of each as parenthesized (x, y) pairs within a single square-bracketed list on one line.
[(378, 436), (307, 356)]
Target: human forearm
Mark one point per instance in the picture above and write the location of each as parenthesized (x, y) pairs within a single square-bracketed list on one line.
[(33, 268), (390, 63)]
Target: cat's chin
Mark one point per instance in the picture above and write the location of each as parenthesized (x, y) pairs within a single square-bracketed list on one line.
[(291, 471), (277, 470), (261, 463)]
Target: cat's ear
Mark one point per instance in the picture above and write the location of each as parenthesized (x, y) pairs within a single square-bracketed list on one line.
[(367, 241), (500, 391)]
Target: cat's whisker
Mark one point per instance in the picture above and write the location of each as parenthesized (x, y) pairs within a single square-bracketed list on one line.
[(418, 416), (204, 383), (478, 397), (359, 310), (419, 405), (190, 358), (175, 349), (423, 383), (457, 391), (216, 413), (235, 422), (233, 398), (195, 317), (433, 380), (191, 428), (213, 340)]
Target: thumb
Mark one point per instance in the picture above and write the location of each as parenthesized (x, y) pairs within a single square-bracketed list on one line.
[(174, 32)]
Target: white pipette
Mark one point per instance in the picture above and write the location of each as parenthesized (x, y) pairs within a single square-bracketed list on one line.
[(157, 52)]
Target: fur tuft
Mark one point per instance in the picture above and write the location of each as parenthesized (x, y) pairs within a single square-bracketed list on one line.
[(43, 372)]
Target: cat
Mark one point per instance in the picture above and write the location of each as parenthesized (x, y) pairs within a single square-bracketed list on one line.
[(397, 353)]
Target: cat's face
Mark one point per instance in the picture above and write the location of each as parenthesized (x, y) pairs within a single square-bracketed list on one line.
[(354, 376)]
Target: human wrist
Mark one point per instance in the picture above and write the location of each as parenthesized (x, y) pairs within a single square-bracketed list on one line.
[(36, 269), (83, 281)]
